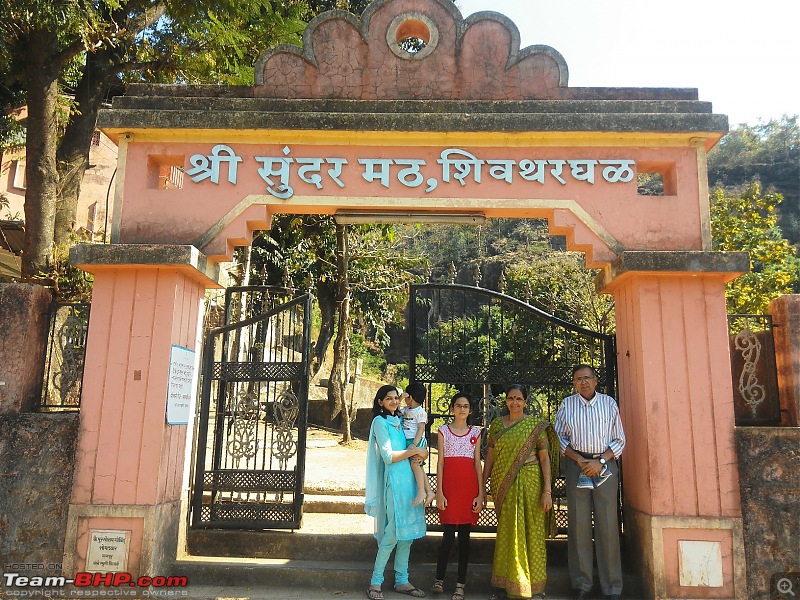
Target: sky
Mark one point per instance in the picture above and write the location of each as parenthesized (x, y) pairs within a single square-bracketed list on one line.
[(742, 56)]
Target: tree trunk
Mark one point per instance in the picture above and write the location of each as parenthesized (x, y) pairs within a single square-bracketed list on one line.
[(41, 195), (340, 372), (326, 298), (73, 152)]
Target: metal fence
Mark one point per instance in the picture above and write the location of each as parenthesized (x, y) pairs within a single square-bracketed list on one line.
[(65, 355), (755, 382)]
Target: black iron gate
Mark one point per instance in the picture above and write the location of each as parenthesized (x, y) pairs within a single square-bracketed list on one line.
[(478, 341), (251, 438)]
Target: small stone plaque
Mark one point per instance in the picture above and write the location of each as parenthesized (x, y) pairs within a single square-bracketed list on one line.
[(108, 551), (700, 563)]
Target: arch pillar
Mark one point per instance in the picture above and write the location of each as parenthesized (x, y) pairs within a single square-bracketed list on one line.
[(683, 519), (130, 461)]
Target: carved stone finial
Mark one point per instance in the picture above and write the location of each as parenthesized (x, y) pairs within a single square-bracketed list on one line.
[(383, 55)]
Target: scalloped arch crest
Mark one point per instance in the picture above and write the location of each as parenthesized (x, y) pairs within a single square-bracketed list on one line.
[(478, 58)]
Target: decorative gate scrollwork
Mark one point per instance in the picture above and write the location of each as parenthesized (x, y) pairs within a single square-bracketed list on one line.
[(756, 398), (66, 354), (478, 341), (254, 404)]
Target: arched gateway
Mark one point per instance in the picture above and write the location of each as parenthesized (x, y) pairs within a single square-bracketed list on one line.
[(470, 126)]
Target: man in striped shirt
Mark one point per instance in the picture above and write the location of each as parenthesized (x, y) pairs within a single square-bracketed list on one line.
[(590, 431)]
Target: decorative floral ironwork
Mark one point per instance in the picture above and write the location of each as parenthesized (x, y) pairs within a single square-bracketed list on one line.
[(72, 341), (250, 462), (751, 390), (284, 444), (66, 352), (242, 442)]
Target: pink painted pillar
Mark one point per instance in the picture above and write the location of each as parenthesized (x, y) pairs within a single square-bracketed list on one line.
[(129, 466), (785, 313), (680, 478)]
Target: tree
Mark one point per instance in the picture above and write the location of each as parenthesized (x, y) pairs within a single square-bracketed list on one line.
[(340, 371), (358, 271), (768, 153), (114, 41), (40, 39), (560, 284), (299, 252), (748, 222)]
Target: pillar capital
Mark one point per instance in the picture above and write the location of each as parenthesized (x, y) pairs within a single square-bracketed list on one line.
[(728, 265), (186, 259)]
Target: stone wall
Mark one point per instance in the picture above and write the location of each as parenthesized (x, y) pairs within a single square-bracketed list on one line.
[(37, 450), (769, 468), (37, 454), (23, 323)]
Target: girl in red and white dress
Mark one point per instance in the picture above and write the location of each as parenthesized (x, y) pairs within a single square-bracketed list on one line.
[(459, 497)]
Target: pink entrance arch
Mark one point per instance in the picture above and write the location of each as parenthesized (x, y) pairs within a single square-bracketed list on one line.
[(471, 126)]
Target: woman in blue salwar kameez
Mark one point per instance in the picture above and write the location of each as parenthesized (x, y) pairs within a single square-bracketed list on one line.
[(390, 492)]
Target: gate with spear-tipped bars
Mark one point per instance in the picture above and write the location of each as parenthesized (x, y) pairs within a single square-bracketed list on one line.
[(251, 439), (479, 341)]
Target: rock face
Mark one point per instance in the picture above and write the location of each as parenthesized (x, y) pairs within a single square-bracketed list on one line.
[(769, 467)]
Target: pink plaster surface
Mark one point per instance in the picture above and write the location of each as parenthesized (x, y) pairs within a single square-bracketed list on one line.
[(127, 454), (675, 396), (476, 59), (636, 222)]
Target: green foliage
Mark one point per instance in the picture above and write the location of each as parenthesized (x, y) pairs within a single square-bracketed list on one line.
[(748, 222), (560, 284), (299, 251), (374, 364), (70, 283), (12, 133), (354, 6), (468, 245), (215, 42), (768, 153)]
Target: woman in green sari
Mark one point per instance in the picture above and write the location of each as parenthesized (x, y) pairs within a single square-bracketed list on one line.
[(521, 465)]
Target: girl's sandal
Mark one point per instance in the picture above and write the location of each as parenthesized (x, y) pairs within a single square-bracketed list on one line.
[(438, 586), (459, 593), (374, 594)]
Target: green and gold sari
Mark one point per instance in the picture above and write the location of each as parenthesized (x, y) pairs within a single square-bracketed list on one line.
[(520, 557)]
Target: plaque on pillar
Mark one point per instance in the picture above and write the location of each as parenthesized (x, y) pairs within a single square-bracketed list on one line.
[(182, 385), (108, 551), (700, 563)]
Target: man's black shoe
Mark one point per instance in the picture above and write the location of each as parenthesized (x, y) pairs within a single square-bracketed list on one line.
[(582, 595)]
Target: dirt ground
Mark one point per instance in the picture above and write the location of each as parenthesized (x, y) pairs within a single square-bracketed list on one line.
[(332, 467), (335, 468)]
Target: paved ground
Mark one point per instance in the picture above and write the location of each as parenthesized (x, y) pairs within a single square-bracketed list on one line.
[(333, 471), (266, 593)]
